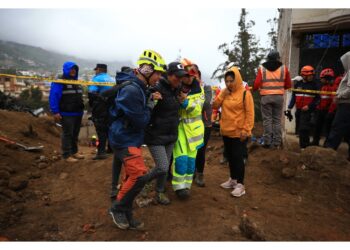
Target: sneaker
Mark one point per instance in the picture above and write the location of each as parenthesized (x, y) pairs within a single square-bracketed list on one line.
[(199, 180), (70, 159), (182, 194), (133, 223), (119, 218), (78, 156), (239, 190), (162, 198), (100, 156), (229, 184)]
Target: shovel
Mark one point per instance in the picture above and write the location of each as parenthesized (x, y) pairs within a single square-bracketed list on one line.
[(27, 148)]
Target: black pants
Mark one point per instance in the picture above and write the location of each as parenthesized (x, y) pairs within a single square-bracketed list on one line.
[(306, 124), (70, 134), (101, 126), (297, 120), (116, 169), (320, 124), (235, 150), (340, 127), (200, 158)]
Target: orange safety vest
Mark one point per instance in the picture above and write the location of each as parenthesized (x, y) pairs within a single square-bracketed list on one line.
[(272, 82)]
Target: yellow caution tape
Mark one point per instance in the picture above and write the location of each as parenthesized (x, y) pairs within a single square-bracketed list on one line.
[(63, 81), (313, 91)]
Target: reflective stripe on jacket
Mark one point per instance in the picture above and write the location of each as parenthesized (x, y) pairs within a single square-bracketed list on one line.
[(272, 81)]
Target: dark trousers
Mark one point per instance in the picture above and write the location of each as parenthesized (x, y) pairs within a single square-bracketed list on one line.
[(101, 126), (320, 124), (70, 134), (297, 120), (235, 150), (134, 178), (305, 126), (328, 123), (200, 158), (340, 127), (116, 169)]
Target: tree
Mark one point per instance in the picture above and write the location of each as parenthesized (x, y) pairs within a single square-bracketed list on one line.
[(273, 33), (245, 53)]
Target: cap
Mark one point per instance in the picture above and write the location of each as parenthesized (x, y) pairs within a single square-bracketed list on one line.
[(177, 69), (101, 66)]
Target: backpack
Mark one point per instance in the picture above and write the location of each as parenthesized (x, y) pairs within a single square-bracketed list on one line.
[(101, 103)]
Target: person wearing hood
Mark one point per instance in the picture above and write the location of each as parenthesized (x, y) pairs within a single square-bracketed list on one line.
[(190, 133), (99, 108), (67, 107), (341, 124), (272, 80), (130, 115), (161, 133), (236, 124)]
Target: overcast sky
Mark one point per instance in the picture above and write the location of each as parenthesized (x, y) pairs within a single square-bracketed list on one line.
[(122, 33)]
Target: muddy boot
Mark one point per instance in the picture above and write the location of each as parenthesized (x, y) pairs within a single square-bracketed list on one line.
[(133, 223), (199, 180), (183, 194), (162, 199)]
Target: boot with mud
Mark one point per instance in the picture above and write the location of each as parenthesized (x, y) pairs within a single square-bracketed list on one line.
[(78, 156), (183, 194), (199, 180), (162, 198), (70, 159)]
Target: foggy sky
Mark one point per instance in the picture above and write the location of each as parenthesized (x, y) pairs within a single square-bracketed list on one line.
[(122, 34)]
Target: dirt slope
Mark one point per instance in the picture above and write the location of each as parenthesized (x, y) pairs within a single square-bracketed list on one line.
[(43, 198)]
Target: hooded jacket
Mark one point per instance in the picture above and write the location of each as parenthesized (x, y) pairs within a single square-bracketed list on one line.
[(162, 129), (237, 116), (129, 114), (343, 92), (67, 99)]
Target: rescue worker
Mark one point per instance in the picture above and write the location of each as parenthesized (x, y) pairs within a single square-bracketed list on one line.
[(67, 106), (236, 124), (327, 78), (190, 133), (272, 80), (99, 108), (162, 131), (306, 103), (341, 124), (130, 115)]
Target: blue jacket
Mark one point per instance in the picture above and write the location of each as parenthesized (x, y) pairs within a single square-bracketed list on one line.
[(102, 77), (56, 91), (129, 115)]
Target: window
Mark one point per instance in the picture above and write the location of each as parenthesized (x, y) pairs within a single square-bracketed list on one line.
[(346, 40), (322, 41)]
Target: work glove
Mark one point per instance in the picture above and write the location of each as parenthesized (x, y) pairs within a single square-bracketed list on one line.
[(288, 114)]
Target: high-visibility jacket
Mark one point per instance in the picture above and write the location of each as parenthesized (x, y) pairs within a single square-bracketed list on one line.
[(301, 99), (272, 81), (191, 119)]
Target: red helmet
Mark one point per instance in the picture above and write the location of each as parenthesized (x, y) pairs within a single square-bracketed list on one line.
[(328, 72), (307, 70)]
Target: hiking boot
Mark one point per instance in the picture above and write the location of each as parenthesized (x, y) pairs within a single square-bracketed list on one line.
[(78, 156), (229, 184), (133, 223), (70, 159), (238, 191), (100, 156), (162, 198), (119, 218), (199, 180), (182, 194)]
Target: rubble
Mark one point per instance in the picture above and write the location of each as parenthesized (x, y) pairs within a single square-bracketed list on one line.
[(18, 182), (250, 230), (288, 173)]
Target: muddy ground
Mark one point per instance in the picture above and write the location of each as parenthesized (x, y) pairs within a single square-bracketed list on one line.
[(291, 196)]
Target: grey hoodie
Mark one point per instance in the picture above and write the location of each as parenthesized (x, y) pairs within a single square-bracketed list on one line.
[(343, 92)]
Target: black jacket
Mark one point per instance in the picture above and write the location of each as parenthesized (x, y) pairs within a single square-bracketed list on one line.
[(162, 129)]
